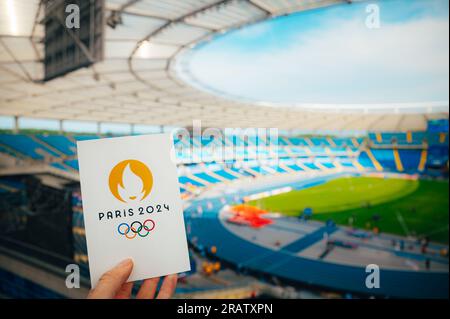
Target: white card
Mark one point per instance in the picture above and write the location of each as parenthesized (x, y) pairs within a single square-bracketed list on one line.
[(132, 206)]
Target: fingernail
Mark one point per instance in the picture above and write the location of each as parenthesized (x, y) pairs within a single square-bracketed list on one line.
[(125, 262)]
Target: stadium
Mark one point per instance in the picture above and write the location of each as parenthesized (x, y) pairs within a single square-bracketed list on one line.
[(283, 196)]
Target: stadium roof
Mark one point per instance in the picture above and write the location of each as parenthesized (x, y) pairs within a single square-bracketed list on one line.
[(137, 81)]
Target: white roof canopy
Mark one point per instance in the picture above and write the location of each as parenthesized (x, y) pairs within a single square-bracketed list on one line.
[(137, 81)]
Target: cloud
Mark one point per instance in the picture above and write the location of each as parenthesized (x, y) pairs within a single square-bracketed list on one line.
[(342, 63), (254, 31)]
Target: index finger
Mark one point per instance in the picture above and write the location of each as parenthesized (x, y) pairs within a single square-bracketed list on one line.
[(111, 281), (168, 287)]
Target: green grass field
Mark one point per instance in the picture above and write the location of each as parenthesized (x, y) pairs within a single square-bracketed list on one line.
[(403, 206)]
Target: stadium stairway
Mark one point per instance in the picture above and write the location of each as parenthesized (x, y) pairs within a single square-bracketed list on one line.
[(358, 166), (223, 175), (232, 173), (355, 142), (59, 142), (331, 142), (304, 167), (308, 142), (4, 149), (398, 161), (5, 186), (205, 178), (311, 166), (296, 154), (409, 138), (443, 138), (295, 167), (337, 164), (54, 151), (384, 157), (253, 171), (273, 170), (308, 151), (73, 164), (282, 141), (25, 145), (410, 159), (309, 239), (192, 180), (323, 167), (379, 138), (374, 161), (287, 168), (423, 160)]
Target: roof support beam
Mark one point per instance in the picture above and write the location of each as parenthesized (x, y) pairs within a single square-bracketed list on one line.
[(253, 3), (16, 125)]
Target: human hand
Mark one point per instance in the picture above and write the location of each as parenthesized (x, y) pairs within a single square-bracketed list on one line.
[(113, 285)]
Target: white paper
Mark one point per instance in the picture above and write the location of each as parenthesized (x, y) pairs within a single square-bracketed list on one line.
[(105, 166)]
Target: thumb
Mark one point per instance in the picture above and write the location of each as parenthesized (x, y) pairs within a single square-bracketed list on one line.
[(111, 281)]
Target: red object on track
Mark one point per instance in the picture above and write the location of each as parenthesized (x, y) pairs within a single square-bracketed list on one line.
[(249, 216)]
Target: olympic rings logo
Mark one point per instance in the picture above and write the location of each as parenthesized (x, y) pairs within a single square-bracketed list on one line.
[(136, 228)]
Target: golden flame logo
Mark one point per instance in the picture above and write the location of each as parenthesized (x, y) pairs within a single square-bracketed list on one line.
[(130, 180)]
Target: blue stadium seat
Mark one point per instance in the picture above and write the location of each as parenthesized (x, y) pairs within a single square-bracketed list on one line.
[(410, 159), (310, 165), (320, 141), (317, 150), (207, 177), (437, 155), (226, 175), (278, 169), (342, 141), (260, 170), (72, 163), (186, 180), (347, 164), (26, 145), (298, 141), (298, 151), (327, 164), (385, 157), (12, 183), (365, 161), (241, 172), (85, 137), (418, 137), (59, 166), (4, 150), (282, 153), (60, 142), (282, 142), (295, 167)]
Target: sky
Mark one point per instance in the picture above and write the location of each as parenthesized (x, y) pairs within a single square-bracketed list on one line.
[(329, 55)]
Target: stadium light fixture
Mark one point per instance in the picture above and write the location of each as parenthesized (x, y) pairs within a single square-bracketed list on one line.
[(12, 16), (114, 19)]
